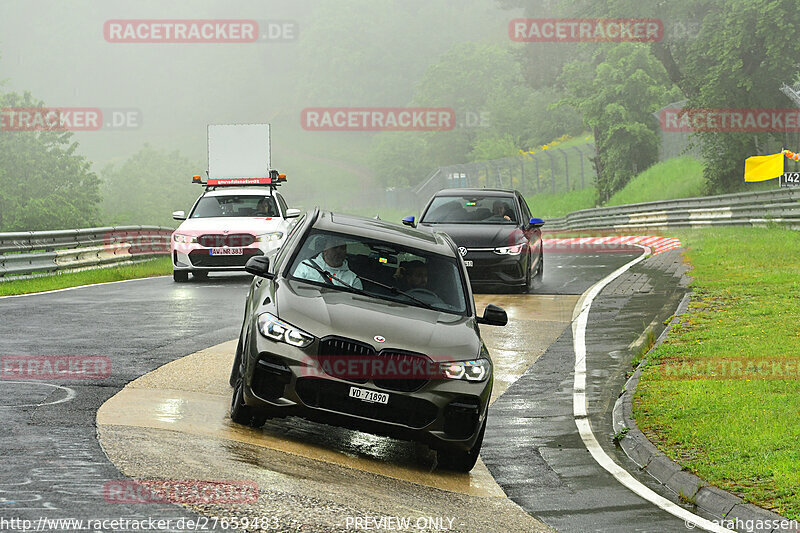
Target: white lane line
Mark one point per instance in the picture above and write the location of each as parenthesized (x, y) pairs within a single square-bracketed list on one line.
[(580, 412), (70, 394), (78, 287)]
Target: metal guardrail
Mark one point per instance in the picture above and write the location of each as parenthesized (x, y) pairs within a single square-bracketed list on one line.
[(741, 209), (30, 252)]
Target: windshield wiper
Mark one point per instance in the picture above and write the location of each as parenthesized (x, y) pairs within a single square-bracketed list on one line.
[(395, 290)]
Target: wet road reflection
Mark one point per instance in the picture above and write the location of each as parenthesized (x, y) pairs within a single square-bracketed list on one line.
[(191, 396)]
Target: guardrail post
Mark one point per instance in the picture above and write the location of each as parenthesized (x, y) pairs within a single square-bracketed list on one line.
[(538, 183)]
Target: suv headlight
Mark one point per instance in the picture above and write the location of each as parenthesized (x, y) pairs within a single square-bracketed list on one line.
[(468, 370), (510, 250), (270, 237), (186, 239), (277, 330)]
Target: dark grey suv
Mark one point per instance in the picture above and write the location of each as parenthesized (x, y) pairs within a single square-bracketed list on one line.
[(368, 325)]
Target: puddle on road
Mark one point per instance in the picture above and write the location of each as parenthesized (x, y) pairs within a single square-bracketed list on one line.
[(191, 396)]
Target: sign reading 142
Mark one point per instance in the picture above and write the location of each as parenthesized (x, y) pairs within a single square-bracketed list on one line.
[(790, 179)]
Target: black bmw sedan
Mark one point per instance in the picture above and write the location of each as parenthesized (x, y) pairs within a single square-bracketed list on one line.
[(500, 242)]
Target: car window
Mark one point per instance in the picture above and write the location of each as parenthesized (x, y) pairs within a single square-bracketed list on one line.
[(471, 210), (282, 203), (289, 243), (526, 213), (235, 206), (381, 269)]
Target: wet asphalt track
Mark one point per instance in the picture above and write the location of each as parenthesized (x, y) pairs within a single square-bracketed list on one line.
[(53, 465)]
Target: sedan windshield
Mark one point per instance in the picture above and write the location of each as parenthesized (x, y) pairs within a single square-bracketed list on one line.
[(471, 210), (235, 206), (382, 270)]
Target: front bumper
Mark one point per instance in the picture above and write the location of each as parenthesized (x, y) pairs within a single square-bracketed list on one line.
[(491, 269), (283, 380), (190, 257)]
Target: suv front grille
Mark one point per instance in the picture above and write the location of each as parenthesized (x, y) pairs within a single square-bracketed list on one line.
[(338, 346), (334, 396)]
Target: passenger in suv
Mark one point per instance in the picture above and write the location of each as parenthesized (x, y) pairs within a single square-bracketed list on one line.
[(408, 363)]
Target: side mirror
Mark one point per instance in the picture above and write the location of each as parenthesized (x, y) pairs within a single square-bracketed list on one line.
[(292, 213), (493, 316), (536, 222), (258, 265), (179, 215), (409, 221)]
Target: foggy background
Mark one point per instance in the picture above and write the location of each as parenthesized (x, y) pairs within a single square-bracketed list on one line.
[(512, 100), (351, 53)]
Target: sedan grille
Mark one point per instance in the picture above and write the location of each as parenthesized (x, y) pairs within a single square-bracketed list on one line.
[(234, 240), (201, 258)]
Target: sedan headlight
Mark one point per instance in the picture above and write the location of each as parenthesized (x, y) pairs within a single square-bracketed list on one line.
[(510, 250), (277, 330), (270, 237), (468, 370), (186, 239)]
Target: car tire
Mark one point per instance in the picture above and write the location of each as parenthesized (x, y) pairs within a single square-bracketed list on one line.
[(199, 274), (540, 268), (461, 460), (528, 285), (180, 276), (237, 362), (241, 413)]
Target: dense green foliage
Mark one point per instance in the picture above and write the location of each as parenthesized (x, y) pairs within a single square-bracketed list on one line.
[(507, 96), (497, 115), (148, 187), (715, 54), (617, 96), (44, 183)]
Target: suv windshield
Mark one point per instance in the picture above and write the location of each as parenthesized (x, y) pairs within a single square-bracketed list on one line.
[(382, 270), (471, 210), (235, 206)]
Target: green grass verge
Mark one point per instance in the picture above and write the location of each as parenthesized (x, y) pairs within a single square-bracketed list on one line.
[(681, 177), (156, 267), (737, 429), (558, 205)]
